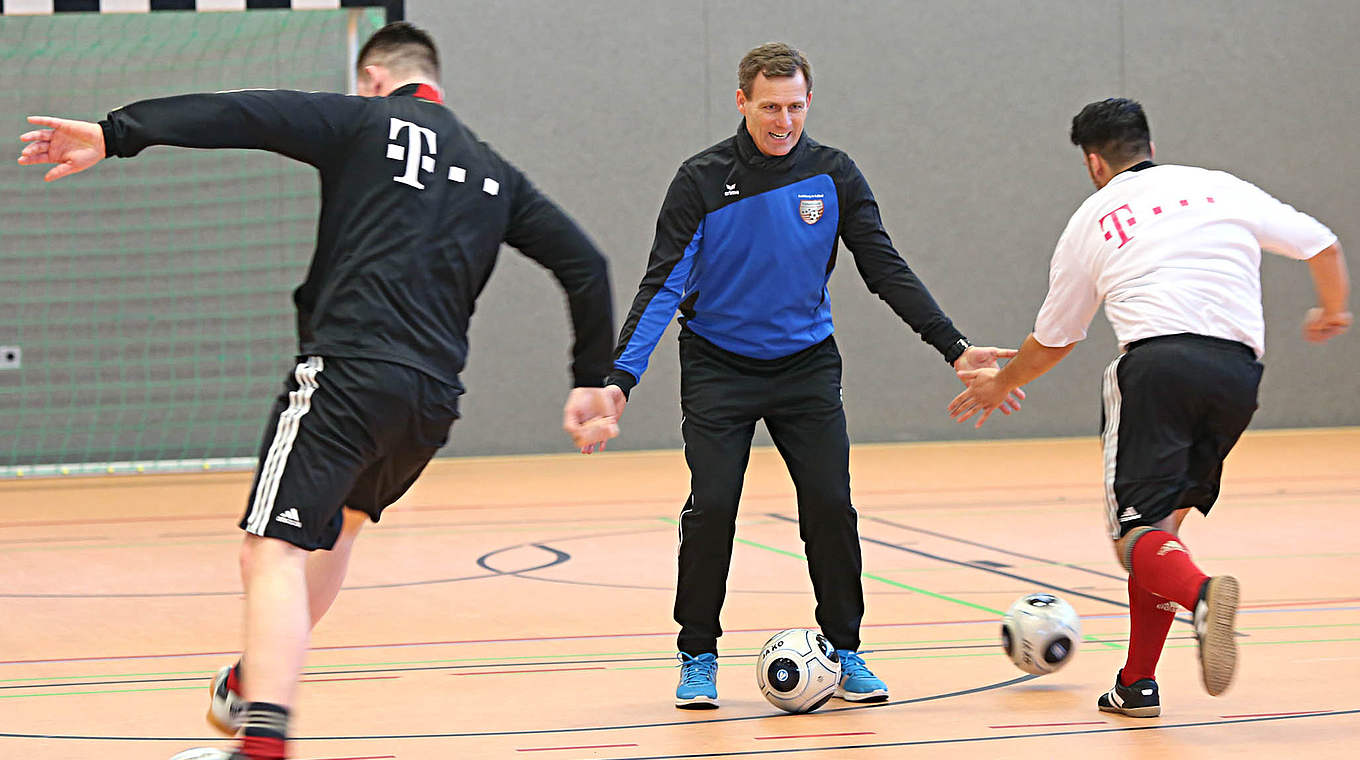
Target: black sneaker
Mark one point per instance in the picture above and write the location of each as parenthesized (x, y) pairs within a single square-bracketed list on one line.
[(1215, 627), (1137, 700)]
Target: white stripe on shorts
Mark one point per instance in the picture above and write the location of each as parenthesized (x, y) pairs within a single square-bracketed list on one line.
[(271, 469), (1109, 441)]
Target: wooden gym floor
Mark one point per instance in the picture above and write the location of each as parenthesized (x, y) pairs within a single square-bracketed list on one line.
[(520, 607)]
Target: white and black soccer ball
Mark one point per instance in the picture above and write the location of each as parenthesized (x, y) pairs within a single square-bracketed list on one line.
[(797, 670), (1040, 633)]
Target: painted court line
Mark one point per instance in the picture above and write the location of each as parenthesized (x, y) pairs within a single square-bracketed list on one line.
[(588, 636), (819, 736), (513, 672), (1050, 725), (1275, 715), (584, 746), (355, 678)]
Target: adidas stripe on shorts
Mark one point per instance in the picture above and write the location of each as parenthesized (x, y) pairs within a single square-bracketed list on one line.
[(344, 432), (1174, 406)]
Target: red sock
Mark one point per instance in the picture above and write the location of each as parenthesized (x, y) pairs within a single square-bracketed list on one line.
[(1162, 565), (1149, 621), (262, 748), (234, 677)]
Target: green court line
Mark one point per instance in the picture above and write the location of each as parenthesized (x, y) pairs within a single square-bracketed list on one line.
[(870, 576), (729, 665), (897, 584), (195, 687)]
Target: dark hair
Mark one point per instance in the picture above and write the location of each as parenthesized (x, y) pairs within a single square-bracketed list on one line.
[(1116, 128), (401, 46), (773, 59)]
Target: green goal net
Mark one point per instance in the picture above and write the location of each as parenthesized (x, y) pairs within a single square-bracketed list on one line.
[(146, 320)]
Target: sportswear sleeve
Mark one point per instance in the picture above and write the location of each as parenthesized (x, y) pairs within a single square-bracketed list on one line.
[(310, 127), (884, 270), (1282, 229), (541, 230), (1073, 297), (679, 232)]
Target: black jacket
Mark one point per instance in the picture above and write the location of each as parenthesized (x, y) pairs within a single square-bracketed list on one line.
[(414, 209)]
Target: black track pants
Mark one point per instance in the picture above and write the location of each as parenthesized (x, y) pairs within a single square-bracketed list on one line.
[(722, 396)]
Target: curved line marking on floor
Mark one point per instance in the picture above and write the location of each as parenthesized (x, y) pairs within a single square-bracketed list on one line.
[(558, 558)]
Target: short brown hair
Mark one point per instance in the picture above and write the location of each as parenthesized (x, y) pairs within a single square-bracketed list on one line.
[(401, 46), (773, 59)]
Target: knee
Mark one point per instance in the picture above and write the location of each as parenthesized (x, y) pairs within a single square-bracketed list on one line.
[(1123, 547), (264, 554)]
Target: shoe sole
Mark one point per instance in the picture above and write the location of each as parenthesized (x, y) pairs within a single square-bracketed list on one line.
[(222, 727), (1218, 648), (878, 695), (697, 703), (1134, 712)]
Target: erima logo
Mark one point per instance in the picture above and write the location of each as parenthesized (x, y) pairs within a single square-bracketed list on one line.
[(290, 517), (731, 190)]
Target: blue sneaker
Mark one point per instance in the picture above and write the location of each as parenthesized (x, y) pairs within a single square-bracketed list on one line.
[(698, 689), (858, 683)]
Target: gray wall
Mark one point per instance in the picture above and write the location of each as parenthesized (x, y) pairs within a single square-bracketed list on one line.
[(958, 113)]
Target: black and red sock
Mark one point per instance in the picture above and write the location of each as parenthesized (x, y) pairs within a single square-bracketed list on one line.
[(265, 731)]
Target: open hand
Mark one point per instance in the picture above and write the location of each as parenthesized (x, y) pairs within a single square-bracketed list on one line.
[(983, 395), (984, 357), (72, 145)]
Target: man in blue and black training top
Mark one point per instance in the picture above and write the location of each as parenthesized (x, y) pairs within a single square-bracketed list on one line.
[(745, 243)]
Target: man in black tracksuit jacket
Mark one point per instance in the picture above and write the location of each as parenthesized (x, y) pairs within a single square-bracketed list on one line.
[(414, 209), (745, 243)]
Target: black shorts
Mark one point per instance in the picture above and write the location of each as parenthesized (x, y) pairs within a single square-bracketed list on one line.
[(1174, 407), (344, 433)]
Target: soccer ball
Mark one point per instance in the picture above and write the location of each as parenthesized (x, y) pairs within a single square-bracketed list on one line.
[(1040, 633), (798, 670)]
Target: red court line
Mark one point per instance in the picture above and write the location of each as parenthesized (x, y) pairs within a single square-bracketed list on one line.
[(1085, 486), (534, 670), (584, 746), (818, 736), (1276, 715), (117, 520), (356, 678), (1046, 725), (582, 636), (517, 639)]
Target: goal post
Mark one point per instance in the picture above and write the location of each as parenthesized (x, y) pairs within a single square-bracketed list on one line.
[(146, 320)]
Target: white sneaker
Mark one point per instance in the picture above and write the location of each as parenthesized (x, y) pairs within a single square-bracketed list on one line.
[(226, 710), (206, 753)]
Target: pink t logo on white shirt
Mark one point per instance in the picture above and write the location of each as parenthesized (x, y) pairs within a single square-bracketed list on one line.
[(1115, 222)]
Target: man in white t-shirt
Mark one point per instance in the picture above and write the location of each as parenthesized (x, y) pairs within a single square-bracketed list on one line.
[(1174, 254)]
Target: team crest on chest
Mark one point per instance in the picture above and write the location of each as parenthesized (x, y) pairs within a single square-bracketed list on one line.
[(811, 209)]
